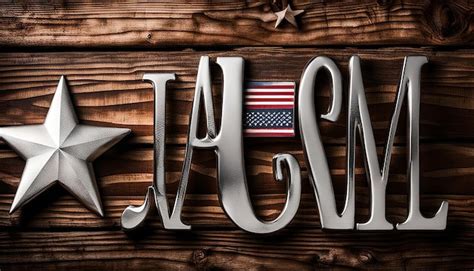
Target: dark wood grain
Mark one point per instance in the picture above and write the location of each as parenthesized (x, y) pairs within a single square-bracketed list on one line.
[(303, 249), (230, 23), (123, 172), (204, 211), (56, 232), (88, 41), (108, 89)]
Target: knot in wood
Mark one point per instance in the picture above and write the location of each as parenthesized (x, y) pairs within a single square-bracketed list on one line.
[(200, 257), (345, 257), (385, 3), (447, 19), (366, 257)]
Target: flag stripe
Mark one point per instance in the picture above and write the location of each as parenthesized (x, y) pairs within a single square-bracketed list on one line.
[(285, 131), (270, 92), (269, 103), (270, 86), (269, 97), (257, 90), (270, 106), (272, 134), (269, 100), (267, 83)]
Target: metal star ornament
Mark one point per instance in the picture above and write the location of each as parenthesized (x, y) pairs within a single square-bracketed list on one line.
[(287, 14), (60, 151)]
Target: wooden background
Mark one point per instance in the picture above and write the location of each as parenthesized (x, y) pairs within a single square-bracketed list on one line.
[(104, 48)]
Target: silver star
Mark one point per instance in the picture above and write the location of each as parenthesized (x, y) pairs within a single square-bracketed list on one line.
[(287, 14), (60, 150)]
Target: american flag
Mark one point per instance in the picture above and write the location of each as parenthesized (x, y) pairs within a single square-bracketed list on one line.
[(269, 109)]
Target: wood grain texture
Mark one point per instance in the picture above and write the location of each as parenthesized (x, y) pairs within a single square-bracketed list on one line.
[(304, 249), (57, 211), (129, 172), (231, 23), (108, 89), (85, 40)]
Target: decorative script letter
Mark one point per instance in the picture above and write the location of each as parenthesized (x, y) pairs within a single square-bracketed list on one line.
[(316, 161), (359, 119)]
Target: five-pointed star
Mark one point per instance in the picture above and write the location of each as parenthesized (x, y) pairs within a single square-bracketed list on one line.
[(287, 14), (60, 150)]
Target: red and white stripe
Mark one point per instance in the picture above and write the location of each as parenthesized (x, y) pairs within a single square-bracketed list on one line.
[(260, 95), (276, 132)]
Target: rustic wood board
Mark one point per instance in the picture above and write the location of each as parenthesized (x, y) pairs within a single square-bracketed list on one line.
[(108, 88), (123, 172), (104, 48), (29, 79), (302, 249), (203, 211), (231, 23)]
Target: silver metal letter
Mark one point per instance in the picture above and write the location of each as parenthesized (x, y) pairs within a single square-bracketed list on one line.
[(359, 119), (411, 80), (317, 164), (133, 216), (228, 145)]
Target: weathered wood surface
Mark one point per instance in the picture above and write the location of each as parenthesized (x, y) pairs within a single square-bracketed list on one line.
[(108, 89), (57, 232), (230, 23), (129, 172), (58, 211), (303, 249), (85, 40)]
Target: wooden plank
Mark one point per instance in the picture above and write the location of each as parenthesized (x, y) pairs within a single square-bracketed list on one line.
[(108, 89), (128, 172), (305, 249), (171, 23), (56, 232), (204, 211)]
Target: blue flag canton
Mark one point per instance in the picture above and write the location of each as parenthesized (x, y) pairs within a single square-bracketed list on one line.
[(268, 118)]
